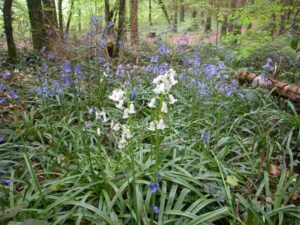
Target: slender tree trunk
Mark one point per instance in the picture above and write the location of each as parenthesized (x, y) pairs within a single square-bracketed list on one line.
[(182, 12), (70, 17), (164, 9), (194, 16), (175, 15), (208, 21), (150, 12), (250, 2), (134, 22), (61, 19), (224, 25), (79, 19), (109, 14), (231, 21), (7, 16), (39, 35), (121, 27)]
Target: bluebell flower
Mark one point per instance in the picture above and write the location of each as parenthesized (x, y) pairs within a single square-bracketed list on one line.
[(159, 176), (5, 181), (133, 92), (268, 65), (3, 100), (154, 59), (13, 94), (102, 43), (43, 49), (77, 71), (91, 110), (164, 50), (1, 87), (1, 138), (153, 186), (101, 60), (67, 68), (205, 136), (44, 68), (120, 72), (51, 56), (66, 80), (155, 209), (1, 169), (6, 74), (221, 65)]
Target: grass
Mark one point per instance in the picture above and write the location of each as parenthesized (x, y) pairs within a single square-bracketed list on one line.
[(64, 172)]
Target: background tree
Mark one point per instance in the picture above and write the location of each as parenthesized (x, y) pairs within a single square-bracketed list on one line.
[(38, 31), (134, 21), (7, 15), (121, 27)]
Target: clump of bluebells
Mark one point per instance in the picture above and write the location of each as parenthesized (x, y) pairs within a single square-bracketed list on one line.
[(69, 79), (8, 92)]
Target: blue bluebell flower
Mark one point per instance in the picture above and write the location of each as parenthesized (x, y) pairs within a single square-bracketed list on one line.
[(5, 181), (155, 210), (205, 136), (67, 68), (159, 176), (153, 186), (1, 138), (6, 74)]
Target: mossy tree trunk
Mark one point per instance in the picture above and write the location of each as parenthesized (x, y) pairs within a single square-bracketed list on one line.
[(7, 14), (38, 31), (121, 27)]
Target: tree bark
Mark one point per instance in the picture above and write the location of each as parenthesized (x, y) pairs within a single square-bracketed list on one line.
[(70, 17), (61, 19), (231, 21), (50, 15), (182, 12), (224, 25), (281, 88), (150, 12), (134, 22), (109, 14), (175, 15), (121, 27), (39, 35), (7, 16), (164, 9)]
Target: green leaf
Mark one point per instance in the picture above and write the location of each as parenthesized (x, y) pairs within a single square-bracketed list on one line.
[(294, 43), (232, 180)]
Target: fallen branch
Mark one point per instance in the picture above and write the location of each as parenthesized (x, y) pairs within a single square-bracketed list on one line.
[(287, 90)]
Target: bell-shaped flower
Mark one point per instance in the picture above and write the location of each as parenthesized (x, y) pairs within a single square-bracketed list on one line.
[(114, 126), (125, 114), (151, 104), (152, 126), (159, 89), (120, 104), (131, 109), (117, 95), (161, 125), (172, 99), (98, 131), (164, 107)]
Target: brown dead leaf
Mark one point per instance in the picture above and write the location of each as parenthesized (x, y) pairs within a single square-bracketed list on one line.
[(274, 170)]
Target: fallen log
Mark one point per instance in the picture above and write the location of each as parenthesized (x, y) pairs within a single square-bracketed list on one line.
[(284, 89)]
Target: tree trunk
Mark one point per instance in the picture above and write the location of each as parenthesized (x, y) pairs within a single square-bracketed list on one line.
[(61, 19), (182, 13), (224, 25), (50, 15), (194, 16), (109, 14), (121, 27), (175, 15), (231, 21), (208, 22), (134, 22), (79, 19), (39, 35), (281, 88), (7, 16), (164, 9), (70, 17), (51, 24), (150, 12)]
